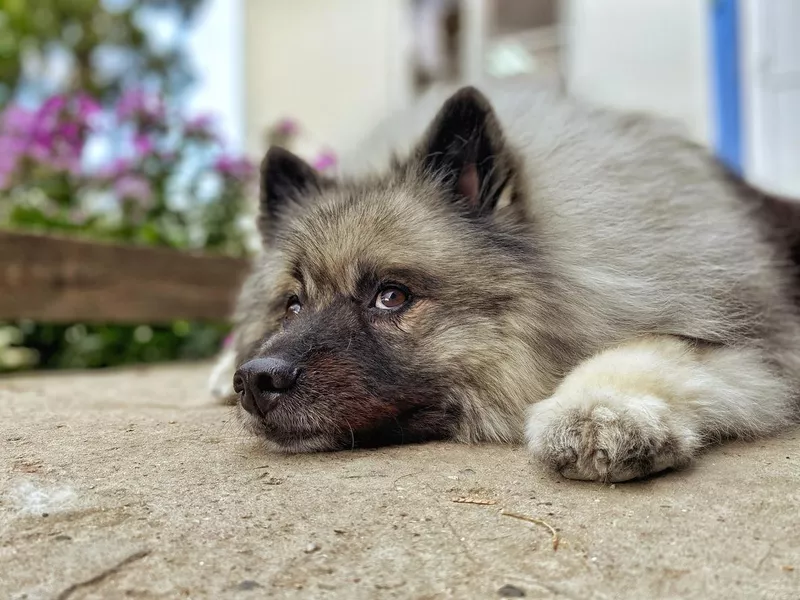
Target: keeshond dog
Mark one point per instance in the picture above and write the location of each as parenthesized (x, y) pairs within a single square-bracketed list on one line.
[(530, 269)]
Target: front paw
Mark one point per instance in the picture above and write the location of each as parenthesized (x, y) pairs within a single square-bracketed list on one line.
[(220, 382), (608, 436)]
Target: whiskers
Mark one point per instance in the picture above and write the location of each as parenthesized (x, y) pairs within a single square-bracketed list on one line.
[(352, 436), (238, 426)]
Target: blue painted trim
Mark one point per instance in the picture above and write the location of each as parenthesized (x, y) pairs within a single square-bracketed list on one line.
[(727, 118)]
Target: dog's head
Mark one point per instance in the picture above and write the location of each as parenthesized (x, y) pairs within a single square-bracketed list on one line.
[(399, 308)]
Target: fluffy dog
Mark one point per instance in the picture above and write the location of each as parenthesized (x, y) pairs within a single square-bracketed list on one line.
[(530, 269)]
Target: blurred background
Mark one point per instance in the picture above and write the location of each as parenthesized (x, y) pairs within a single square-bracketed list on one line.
[(140, 122)]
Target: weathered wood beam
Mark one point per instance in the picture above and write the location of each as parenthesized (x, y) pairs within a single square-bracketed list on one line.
[(53, 279)]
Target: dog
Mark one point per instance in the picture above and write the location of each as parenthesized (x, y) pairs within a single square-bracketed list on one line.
[(531, 269)]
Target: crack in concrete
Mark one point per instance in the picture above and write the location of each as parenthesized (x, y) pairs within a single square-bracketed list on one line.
[(103, 574)]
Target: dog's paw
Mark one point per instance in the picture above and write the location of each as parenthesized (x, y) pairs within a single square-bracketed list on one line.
[(220, 383), (604, 435)]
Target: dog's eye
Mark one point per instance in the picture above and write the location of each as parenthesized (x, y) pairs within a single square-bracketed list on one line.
[(293, 307), (391, 298)]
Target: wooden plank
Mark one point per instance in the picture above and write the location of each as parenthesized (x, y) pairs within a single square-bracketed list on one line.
[(54, 279)]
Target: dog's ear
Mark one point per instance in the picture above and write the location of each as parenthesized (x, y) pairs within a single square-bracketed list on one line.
[(465, 149), (286, 181)]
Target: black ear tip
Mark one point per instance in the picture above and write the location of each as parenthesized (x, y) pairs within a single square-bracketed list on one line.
[(276, 157), (470, 97), (277, 153), (469, 91)]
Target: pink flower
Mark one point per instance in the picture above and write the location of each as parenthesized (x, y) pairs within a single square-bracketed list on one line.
[(140, 105), (71, 134), (17, 120), (16, 137), (117, 168), (133, 187), (53, 105), (40, 148), (9, 151), (87, 106), (237, 168), (143, 144), (67, 163), (52, 136), (130, 103), (287, 127), (325, 160), (201, 126), (12, 149)]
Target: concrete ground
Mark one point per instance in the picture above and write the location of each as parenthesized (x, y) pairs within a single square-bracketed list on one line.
[(132, 484)]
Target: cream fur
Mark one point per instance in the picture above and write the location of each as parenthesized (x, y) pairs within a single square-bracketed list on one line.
[(651, 404)]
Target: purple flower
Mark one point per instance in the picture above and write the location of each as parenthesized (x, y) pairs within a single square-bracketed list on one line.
[(138, 104), (12, 149), (12, 145), (41, 146), (129, 103), (237, 168), (133, 187), (17, 120), (287, 127), (200, 122), (52, 106), (68, 163), (143, 144), (9, 151), (200, 126), (87, 106), (71, 134), (53, 136), (117, 168), (325, 160)]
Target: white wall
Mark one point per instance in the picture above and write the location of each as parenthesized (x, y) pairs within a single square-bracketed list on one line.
[(647, 55), (771, 94), (337, 66)]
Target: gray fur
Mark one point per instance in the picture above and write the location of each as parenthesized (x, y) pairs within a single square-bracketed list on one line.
[(619, 230)]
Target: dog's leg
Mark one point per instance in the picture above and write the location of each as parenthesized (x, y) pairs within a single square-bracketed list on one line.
[(220, 382), (651, 404)]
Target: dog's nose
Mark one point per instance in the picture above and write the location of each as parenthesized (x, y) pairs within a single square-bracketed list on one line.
[(260, 381)]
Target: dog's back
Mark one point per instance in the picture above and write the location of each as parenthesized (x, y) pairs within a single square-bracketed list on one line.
[(644, 223)]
